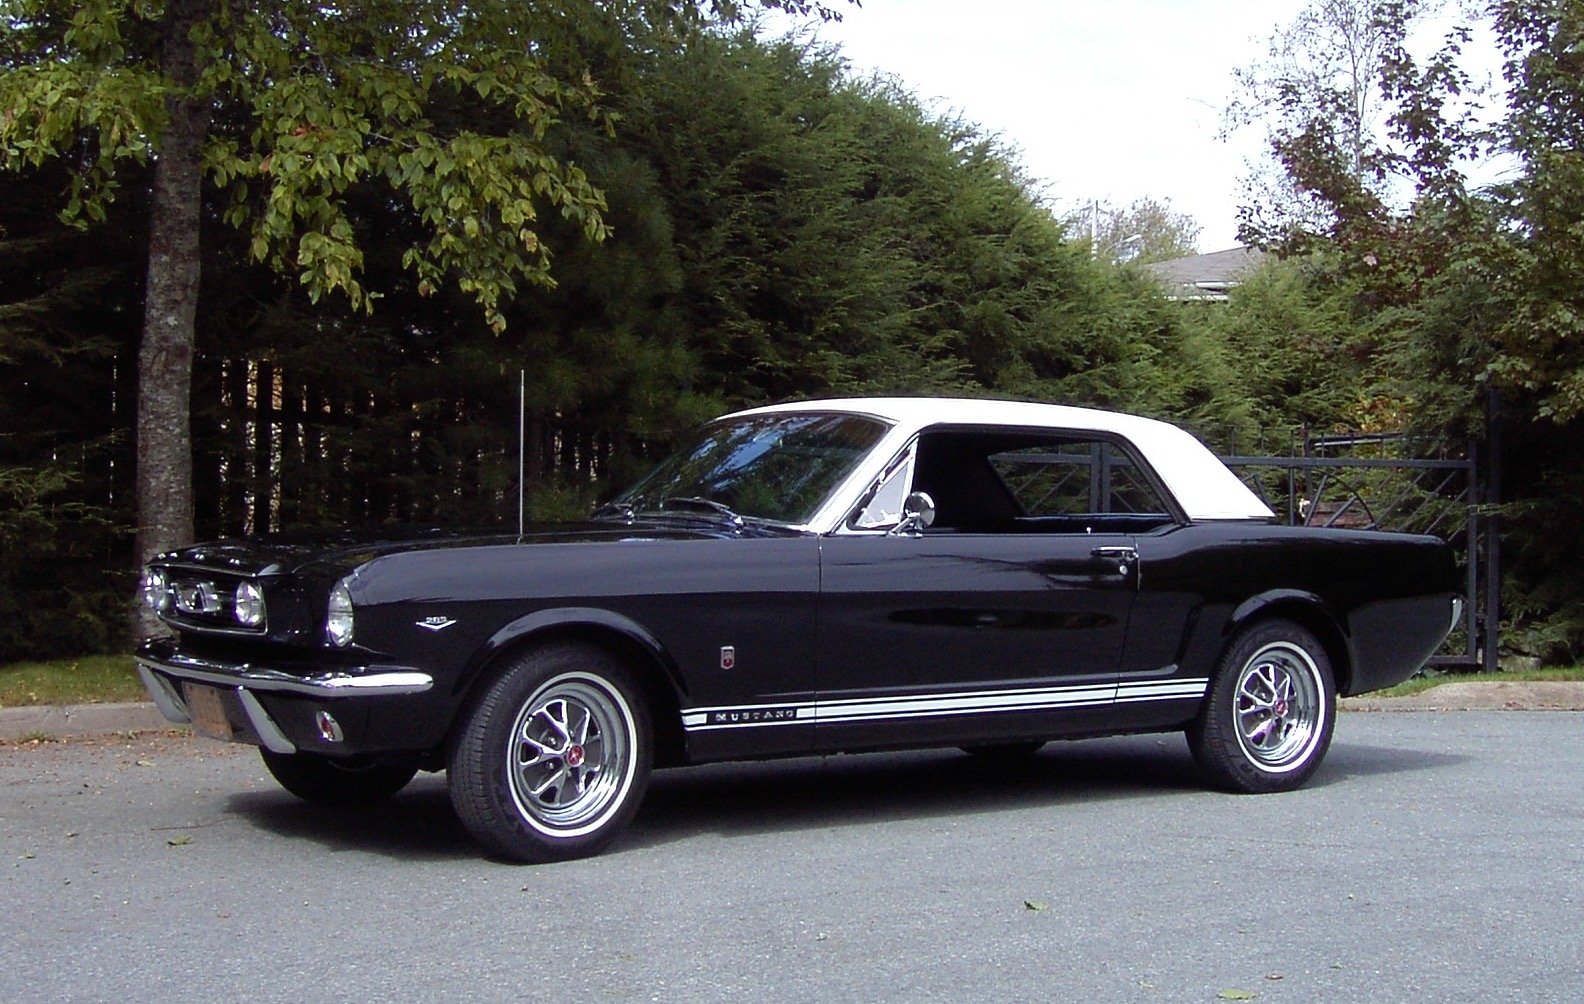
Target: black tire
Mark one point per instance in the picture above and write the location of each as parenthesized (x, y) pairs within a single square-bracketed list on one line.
[(1005, 752), (325, 780), (1267, 720), (553, 758)]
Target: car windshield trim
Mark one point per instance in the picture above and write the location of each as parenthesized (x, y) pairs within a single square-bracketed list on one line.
[(777, 469)]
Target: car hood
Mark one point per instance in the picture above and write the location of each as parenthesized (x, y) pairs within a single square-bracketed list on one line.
[(277, 554)]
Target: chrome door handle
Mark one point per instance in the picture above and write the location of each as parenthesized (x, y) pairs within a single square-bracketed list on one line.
[(1120, 555)]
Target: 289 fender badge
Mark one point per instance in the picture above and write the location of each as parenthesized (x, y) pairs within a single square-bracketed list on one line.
[(435, 623), (728, 656)]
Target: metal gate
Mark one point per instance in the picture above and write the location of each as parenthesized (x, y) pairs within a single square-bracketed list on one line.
[(1374, 482)]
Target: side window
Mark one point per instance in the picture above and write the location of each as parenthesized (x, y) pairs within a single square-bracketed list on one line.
[(1001, 480), (884, 508), (1127, 490), (1053, 480), (1078, 478)]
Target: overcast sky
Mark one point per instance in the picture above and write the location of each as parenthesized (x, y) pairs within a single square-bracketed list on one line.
[(1113, 100)]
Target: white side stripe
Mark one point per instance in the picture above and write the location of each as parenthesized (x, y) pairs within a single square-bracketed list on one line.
[(863, 709)]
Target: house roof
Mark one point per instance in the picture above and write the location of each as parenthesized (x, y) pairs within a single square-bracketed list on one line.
[(1205, 276)]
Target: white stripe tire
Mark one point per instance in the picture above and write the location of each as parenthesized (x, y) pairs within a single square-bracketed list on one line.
[(1267, 720), (553, 758)]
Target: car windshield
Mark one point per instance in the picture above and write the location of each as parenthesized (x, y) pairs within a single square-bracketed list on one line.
[(777, 468)]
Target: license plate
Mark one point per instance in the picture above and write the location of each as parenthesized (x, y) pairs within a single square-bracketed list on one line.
[(206, 708)]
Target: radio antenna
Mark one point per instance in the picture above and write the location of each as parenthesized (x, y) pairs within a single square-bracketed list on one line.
[(522, 425)]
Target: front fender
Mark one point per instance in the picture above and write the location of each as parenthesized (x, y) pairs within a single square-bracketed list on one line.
[(592, 623)]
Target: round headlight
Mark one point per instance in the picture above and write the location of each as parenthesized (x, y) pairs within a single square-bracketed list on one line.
[(338, 620), (249, 605), (156, 590)]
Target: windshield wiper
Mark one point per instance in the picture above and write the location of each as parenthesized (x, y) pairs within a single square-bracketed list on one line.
[(703, 503), (620, 510)]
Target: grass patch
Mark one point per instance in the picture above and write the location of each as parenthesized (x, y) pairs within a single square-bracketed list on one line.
[(92, 679), (1420, 684)]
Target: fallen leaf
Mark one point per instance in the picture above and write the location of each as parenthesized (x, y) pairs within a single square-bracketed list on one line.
[(145, 763), (1029, 904), (1235, 994), (180, 841), (1273, 977)]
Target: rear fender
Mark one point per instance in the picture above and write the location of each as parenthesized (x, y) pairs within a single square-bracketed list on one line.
[(1308, 610)]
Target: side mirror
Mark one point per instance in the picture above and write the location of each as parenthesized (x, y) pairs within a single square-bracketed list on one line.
[(918, 513)]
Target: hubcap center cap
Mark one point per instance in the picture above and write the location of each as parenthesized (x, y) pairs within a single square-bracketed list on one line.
[(574, 756)]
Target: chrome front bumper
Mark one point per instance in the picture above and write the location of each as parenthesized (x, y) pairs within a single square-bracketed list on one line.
[(162, 671)]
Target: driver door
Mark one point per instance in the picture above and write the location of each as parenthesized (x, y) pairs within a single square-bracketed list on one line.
[(1005, 619)]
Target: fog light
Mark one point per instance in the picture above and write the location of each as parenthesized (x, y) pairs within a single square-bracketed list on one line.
[(249, 605), (329, 728)]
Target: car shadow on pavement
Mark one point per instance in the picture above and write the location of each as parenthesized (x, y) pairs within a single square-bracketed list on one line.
[(418, 823), (820, 793), (1348, 760), (859, 789)]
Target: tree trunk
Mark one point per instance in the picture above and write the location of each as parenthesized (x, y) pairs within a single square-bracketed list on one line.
[(164, 418)]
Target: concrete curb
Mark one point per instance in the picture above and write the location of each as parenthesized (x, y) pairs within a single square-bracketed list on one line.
[(78, 720), (1555, 695), (67, 721)]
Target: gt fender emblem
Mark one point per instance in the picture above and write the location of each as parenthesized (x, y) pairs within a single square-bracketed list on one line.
[(435, 623), (728, 656)]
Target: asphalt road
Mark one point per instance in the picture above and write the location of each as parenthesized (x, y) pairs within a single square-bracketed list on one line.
[(1435, 857)]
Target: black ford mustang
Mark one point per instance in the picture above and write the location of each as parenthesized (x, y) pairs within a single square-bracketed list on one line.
[(820, 577)]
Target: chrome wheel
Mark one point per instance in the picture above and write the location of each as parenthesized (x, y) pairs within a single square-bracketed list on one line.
[(1269, 712), (1279, 707), (571, 755), (553, 757)]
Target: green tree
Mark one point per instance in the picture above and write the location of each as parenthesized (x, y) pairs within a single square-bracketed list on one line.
[(1294, 332), (1465, 298), (68, 306), (1143, 231), (286, 107), (1319, 98)]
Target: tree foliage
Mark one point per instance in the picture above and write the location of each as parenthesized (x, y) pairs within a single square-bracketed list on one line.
[(773, 228), (310, 102), (1466, 302), (1143, 231), (1335, 119)]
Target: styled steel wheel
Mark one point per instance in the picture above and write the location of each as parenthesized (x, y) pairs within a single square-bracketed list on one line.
[(330, 781), (554, 756), (571, 754), (1279, 706), (1268, 717)]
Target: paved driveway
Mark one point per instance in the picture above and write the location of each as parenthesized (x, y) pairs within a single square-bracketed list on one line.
[(1436, 856)]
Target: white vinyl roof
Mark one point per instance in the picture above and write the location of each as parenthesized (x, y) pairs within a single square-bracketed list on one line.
[(1202, 485)]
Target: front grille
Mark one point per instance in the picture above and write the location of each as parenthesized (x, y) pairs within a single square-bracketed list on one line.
[(204, 599)]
